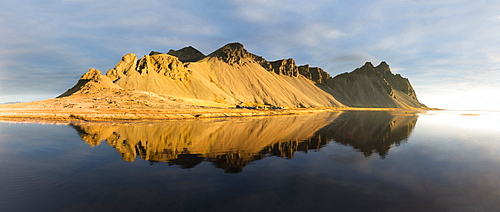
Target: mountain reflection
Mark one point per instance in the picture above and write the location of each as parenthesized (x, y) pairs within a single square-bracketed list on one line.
[(370, 132), (231, 144)]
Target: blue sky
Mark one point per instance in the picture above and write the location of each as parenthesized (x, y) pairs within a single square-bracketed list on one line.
[(450, 50)]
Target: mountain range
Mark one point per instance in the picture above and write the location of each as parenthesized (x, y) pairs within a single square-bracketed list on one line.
[(232, 76)]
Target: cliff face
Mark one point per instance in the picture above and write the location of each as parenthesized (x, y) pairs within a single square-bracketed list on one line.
[(396, 80), (314, 73), (285, 67), (232, 75)]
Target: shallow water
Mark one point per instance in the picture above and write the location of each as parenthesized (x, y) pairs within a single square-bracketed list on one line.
[(435, 161)]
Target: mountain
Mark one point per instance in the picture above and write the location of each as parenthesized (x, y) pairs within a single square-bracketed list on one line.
[(233, 76), (370, 86)]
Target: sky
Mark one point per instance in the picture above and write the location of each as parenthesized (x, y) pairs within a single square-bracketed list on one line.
[(449, 49)]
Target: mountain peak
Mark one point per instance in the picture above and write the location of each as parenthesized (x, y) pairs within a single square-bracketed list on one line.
[(232, 53), (383, 68), (367, 68), (187, 54), (368, 65), (234, 45), (383, 64)]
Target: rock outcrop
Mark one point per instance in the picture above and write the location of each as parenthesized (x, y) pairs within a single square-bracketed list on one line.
[(125, 67), (91, 82), (163, 64), (285, 67), (187, 54), (314, 73)]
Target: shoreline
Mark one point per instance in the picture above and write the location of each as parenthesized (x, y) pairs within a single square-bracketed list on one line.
[(138, 115)]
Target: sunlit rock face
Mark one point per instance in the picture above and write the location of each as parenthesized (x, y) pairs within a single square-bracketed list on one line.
[(231, 144), (92, 82), (126, 66)]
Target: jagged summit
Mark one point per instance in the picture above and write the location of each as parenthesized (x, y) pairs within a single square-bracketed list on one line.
[(367, 68), (383, 67), (187, 54)]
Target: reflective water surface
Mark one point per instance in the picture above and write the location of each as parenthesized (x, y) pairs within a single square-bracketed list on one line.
[(345, 161)]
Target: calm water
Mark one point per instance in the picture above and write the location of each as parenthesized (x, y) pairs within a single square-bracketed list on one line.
[(378, 161)]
